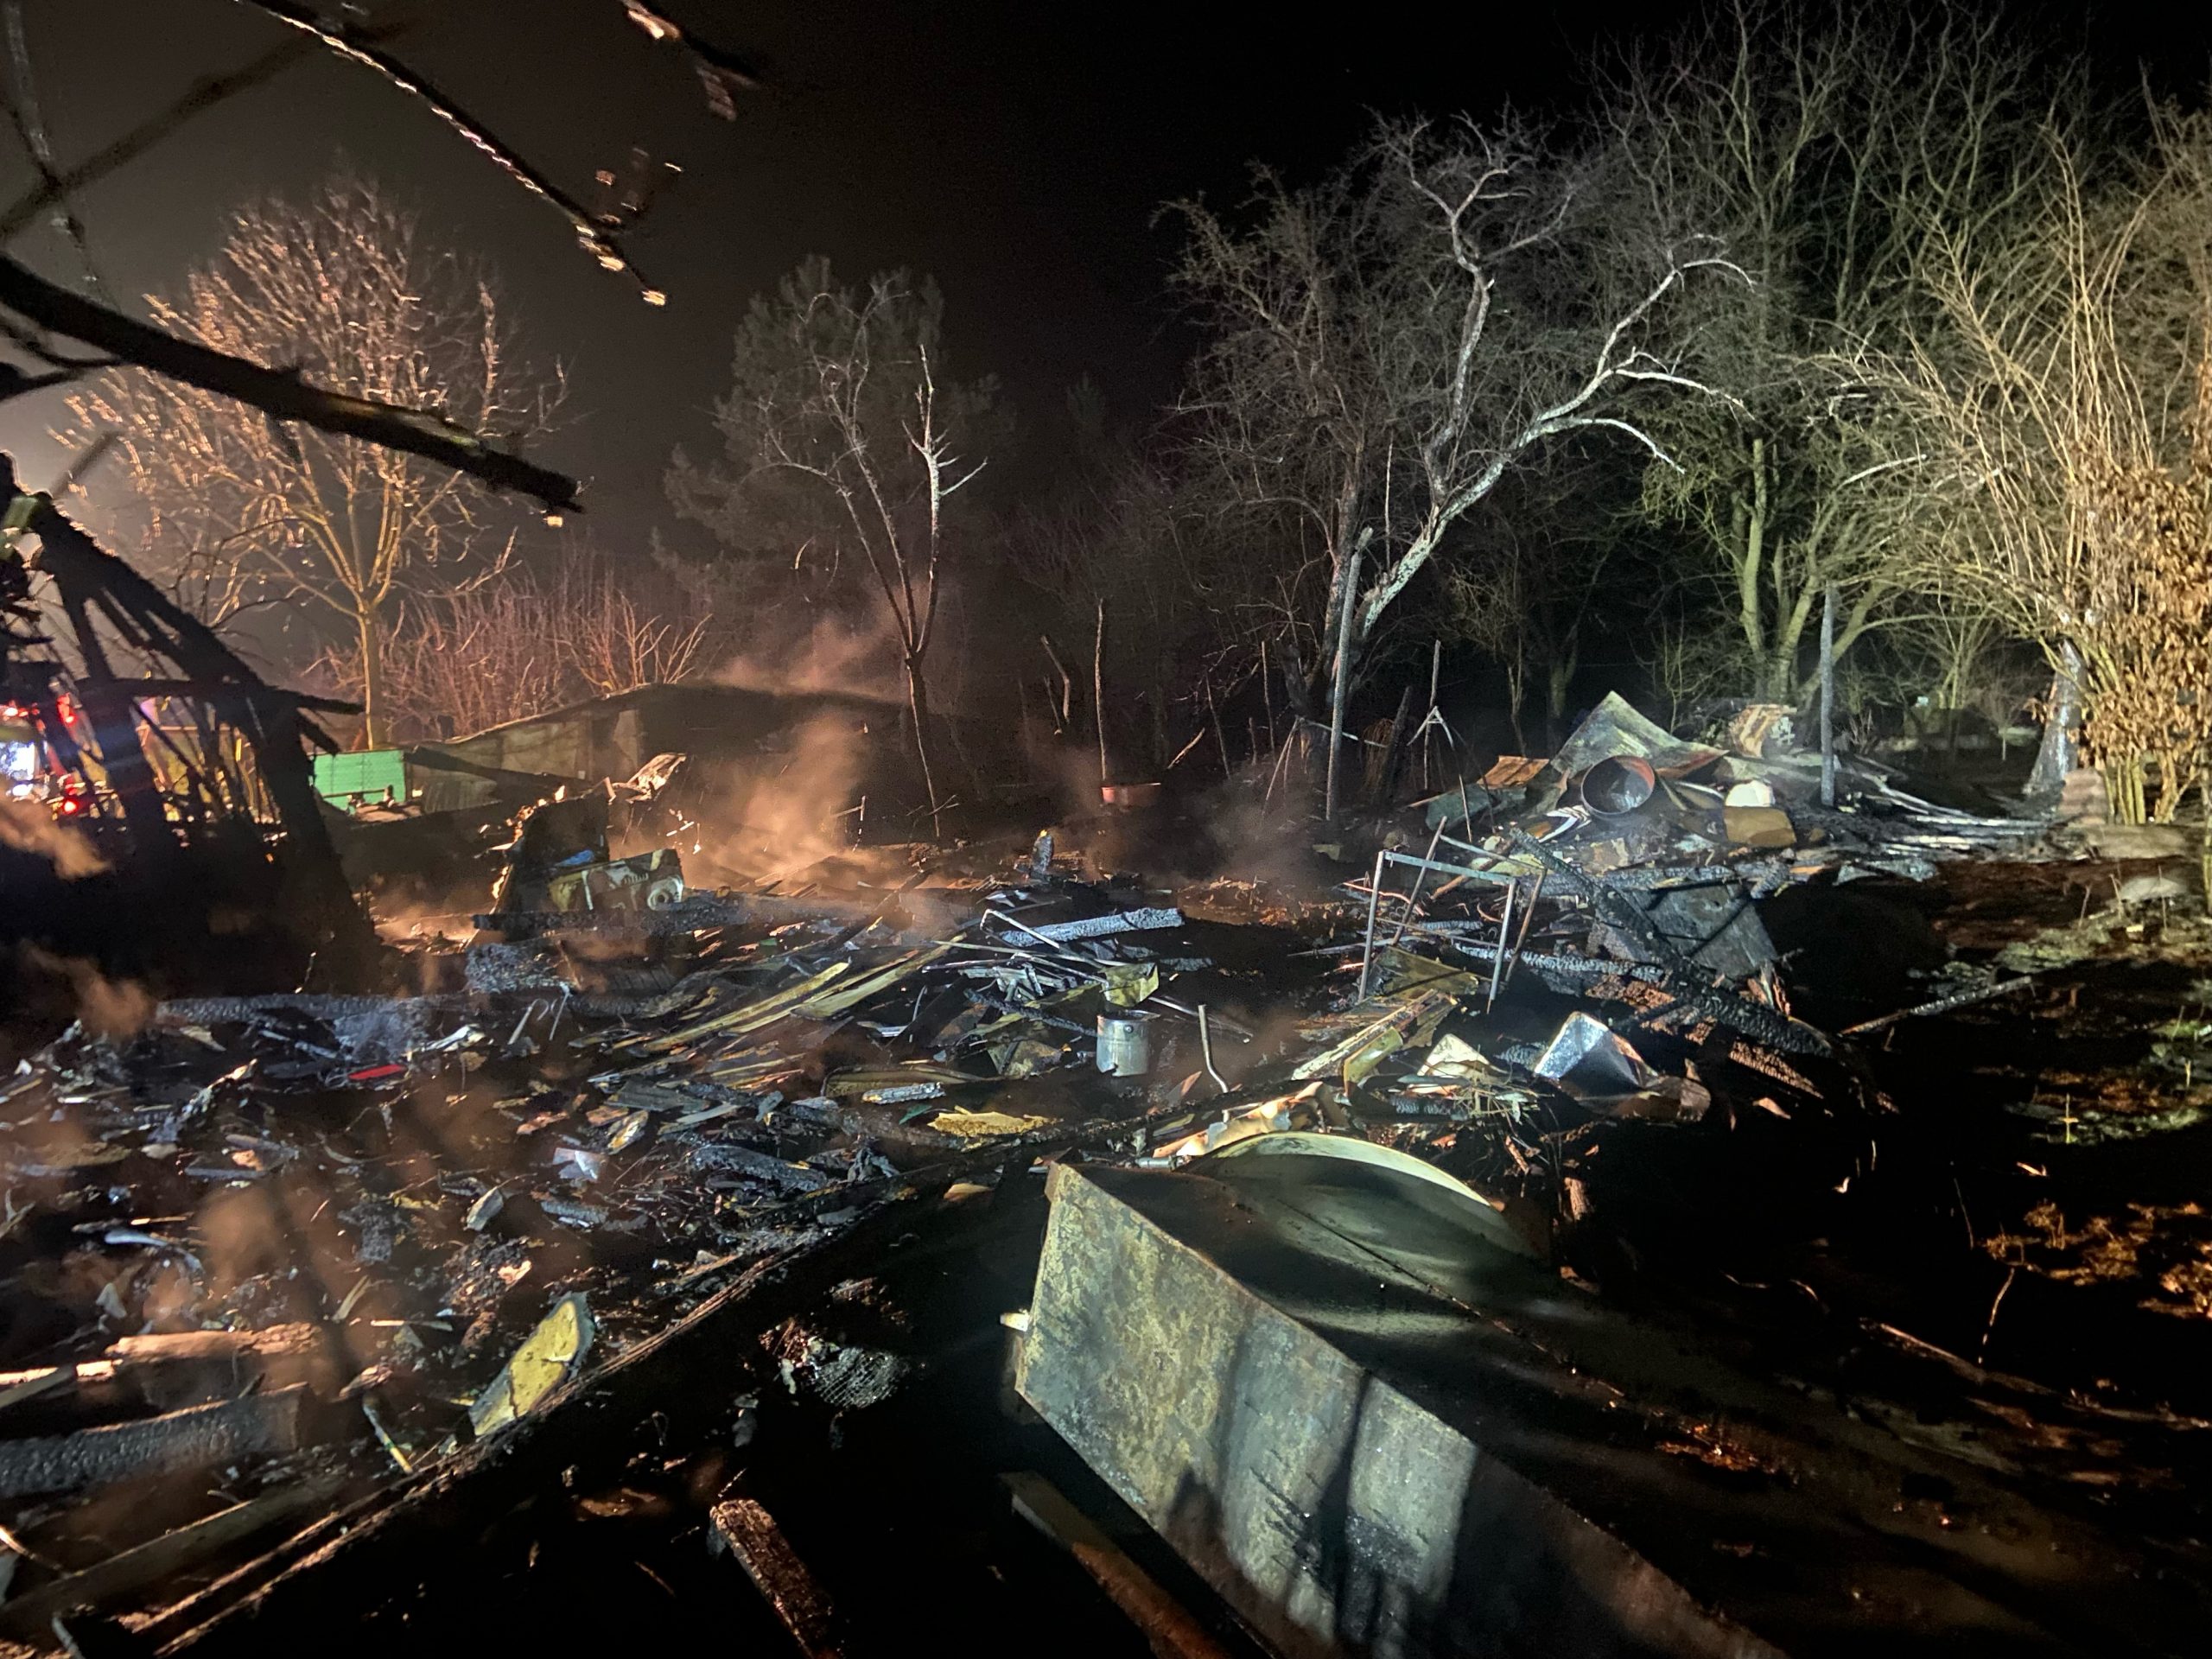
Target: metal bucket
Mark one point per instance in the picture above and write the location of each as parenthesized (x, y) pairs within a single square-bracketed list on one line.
[(1618, 784), (1124, 1043)]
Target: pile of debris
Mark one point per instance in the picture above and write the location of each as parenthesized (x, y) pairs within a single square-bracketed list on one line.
[(1653, 854), (310, 1248)]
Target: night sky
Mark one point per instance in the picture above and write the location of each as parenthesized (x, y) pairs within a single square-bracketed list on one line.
[(1017, 151)]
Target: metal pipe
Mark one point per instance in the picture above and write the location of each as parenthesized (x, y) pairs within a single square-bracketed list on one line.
[(1527, 916), (1205, 1048), (1498, 962), (1420, 875), (1374, 901)]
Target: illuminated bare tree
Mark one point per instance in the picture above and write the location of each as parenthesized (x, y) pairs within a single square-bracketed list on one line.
[(1824, 156), (2068, 396), (842, 433), (240, 509), (1387, 346), (531, 641), (464, 664), (617, 638)]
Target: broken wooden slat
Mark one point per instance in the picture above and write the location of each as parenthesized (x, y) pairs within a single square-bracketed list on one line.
[(748, 1017), (175, 1441), (188, 1368), (28, 1385), (159, 1559), (750, 1533), (1167, 1625)]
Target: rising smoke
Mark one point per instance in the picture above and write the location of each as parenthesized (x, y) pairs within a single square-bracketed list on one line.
[(28, 827), (763, 819)]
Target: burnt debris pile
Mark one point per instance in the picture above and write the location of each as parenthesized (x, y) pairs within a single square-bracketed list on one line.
[(302, 1282)]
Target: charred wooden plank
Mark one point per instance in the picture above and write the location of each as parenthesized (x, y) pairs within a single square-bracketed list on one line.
[(193, 1438), (123, 1575), (750, 1534), (1168, 1625)]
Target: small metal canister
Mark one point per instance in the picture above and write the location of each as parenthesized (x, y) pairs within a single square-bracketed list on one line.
[(1124, 1043)]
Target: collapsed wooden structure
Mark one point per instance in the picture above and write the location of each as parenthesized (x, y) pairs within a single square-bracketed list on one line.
[(161, 798)]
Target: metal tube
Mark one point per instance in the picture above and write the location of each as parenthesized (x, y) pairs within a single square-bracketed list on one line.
[(1374, 900), (1420, 876), (1504, 929), (1205, 1048)]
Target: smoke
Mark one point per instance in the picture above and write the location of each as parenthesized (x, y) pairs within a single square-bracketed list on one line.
[(1265, 843), (450, 918), (27, 827), (1067, 768), (764, 820), (859, 658), (108, 1007), (1227, 827)]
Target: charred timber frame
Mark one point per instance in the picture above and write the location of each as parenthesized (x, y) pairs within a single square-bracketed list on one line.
[(93, 585)]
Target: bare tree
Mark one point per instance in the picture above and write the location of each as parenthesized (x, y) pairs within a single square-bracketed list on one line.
[(1386, 346), (461, 664), (2066, 393), (245, 510), (843, 432), (1824, 154), (618, 639), (530, 641)]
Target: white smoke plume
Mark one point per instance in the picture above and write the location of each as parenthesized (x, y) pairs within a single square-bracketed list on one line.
[(28, 827)]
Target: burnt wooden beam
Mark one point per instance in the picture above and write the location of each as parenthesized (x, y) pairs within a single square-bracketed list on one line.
[(211, 690), (1169, 1626), (124, 1575), (169, 1444), (750, 1535)]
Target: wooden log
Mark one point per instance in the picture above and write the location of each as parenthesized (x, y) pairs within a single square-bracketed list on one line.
[(138, 1568), (169, 1444)]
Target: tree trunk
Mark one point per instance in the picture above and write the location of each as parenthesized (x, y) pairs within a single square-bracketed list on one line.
[(1828, 697), (373, 721), (2056, 751), (2204, 835), (1558, 680), (917, 709), (1342, 677), (1750, 559), (1098, 695)]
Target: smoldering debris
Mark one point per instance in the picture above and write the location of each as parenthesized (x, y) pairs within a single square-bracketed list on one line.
[(440, 1222)]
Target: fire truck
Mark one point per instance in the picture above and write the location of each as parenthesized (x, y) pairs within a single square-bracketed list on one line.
[(27, 770)]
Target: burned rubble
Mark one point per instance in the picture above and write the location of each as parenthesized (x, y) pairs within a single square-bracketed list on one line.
[(282, 1256), (985, 979)]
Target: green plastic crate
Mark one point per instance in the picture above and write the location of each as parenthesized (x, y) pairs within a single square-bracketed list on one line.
[(362, 776)]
